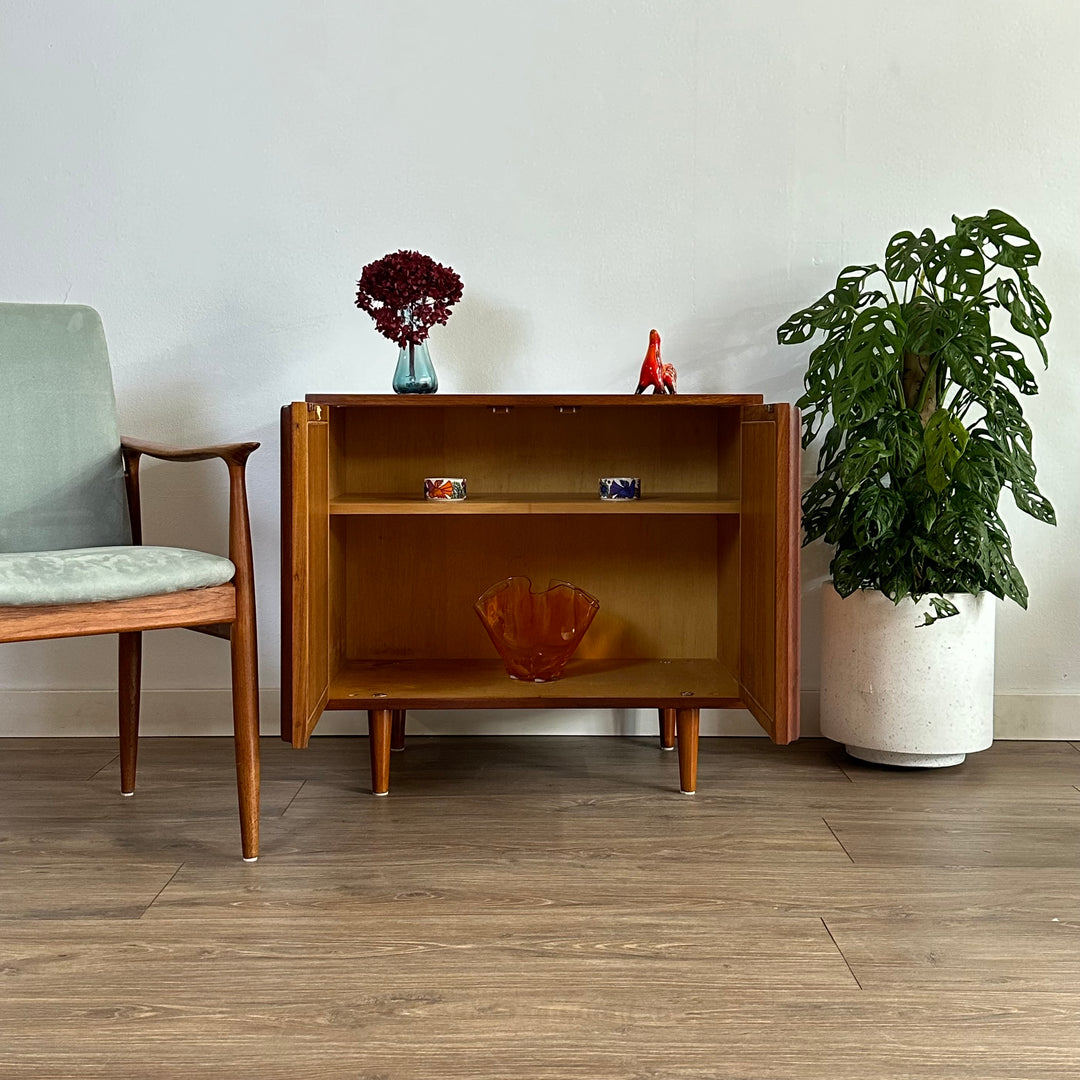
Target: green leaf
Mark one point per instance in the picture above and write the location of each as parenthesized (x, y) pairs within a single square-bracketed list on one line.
[(902, 433), (930, 324), (835, 309), (1033, 502), (967, 365), (906, 254), (860, 461), (1009, 361), (877, 510), (956, 266), (962, 528), (1004, 579), (928, 514), (870, 297), (943, 607), (796, 330), (828, 455), (1023, 321), (944, 440), (1036, 302), (1003, 239), (1038, 310), (978, 471), (852, 276), (872, 355)]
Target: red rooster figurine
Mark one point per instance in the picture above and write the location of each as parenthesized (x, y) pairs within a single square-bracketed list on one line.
[(654, 372)]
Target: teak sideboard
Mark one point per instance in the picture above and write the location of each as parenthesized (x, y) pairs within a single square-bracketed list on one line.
[(698, 580)]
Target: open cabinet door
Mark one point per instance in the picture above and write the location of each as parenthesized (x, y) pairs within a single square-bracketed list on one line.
[(305, 556), (769, 568)]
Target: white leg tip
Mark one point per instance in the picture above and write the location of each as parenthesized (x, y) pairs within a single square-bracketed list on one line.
[(667, 747), (681, 792), (254, 858), (127, 794), (396, 749), (380, 794)]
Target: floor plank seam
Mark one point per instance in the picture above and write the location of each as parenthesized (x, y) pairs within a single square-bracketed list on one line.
[(157, 895), (108, 765), (838, 840), (842, 956), (296, 795)]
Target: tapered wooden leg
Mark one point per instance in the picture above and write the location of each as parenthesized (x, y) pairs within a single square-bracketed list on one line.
[(245, 696), (379, 724), (130, 669), (397, 729), (687, 721), (667, 729)]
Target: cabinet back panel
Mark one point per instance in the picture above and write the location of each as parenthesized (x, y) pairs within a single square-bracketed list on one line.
[(411, 582), (538, 448)]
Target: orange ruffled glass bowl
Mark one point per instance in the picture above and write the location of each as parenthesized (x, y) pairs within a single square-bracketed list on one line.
[(535, 633)]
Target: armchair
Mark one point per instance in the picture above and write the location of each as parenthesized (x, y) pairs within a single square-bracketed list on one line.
[(72, 561)]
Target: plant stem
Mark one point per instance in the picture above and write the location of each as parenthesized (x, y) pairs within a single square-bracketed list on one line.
[(928, 380), (892, 289)]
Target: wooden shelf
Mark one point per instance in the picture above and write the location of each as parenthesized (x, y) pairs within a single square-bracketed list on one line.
[(532, 503), (470, 684)]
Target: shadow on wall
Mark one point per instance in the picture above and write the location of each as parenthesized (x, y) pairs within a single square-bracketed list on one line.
[(483, 349), (731, 345)]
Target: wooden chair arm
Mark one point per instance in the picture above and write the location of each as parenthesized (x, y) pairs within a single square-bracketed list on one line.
[(233, 453)]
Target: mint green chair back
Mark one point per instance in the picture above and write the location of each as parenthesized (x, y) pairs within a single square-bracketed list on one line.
[(61, 474)]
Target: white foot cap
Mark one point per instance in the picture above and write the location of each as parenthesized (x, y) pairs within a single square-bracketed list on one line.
[(396, 749), (681, 792), (127, 794), (254, 858), (911, 761), (380, 794), (667, 747)]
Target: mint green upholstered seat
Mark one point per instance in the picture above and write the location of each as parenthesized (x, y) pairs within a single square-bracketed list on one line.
[(89, 575)]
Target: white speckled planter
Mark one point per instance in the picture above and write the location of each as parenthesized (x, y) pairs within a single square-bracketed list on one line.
[(900, 694)]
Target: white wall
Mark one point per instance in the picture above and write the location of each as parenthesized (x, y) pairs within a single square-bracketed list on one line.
[(213, 174)]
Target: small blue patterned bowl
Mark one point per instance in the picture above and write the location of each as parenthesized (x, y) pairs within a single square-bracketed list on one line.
[(620, 487)]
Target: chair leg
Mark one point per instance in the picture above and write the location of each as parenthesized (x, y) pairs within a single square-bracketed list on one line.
[(397, 730), (687, 721), (667, 728), (245, 696), (379, 724), (130, 671)]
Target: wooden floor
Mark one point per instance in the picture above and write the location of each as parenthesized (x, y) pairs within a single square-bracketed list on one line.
[(542, 909)]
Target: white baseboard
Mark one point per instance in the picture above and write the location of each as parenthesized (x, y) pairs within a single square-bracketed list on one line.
[(44, 713), (1037, 716)]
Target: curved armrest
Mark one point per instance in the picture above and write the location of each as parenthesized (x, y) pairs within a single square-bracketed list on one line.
[(233, 453)]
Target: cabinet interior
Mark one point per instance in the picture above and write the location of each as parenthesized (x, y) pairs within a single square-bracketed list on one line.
[(403, 577)]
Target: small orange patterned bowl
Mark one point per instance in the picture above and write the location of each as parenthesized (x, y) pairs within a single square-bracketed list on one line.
[(444, 488)]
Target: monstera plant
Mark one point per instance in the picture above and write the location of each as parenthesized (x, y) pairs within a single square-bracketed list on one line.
[(917, 391)]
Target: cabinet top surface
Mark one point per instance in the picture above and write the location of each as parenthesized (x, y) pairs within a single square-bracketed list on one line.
[(421, 401)]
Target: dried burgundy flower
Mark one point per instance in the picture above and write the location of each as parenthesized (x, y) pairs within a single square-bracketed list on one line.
[(407, 293)]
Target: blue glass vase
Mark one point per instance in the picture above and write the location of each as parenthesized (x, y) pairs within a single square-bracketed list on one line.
[(414, 373)]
